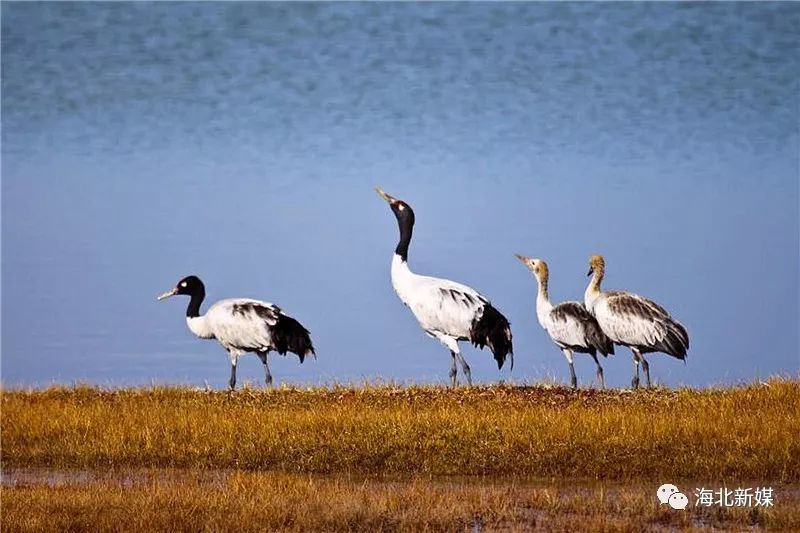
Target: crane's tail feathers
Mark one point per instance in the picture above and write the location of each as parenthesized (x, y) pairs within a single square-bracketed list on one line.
[(600, 342), (675, 342), (683, 333), (289, 335), (493, 329), (606, 347)]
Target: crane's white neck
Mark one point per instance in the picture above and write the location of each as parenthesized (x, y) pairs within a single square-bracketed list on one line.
[(543, 305), (400, 268), (199, 326), (593, 289), (402, 278)]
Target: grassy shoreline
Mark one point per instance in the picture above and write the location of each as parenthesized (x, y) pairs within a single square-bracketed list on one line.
[(394, 459), (746, 432), (205, 500)]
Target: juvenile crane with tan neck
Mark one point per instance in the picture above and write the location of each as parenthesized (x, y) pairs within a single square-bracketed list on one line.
[(634, 321), (571, 327)]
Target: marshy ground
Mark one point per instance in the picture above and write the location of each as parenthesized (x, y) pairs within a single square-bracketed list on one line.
[(393, 458)]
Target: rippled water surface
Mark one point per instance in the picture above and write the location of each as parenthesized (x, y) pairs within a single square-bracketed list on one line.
[(241, 141)]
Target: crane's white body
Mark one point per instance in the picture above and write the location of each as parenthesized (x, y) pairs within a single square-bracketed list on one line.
[(444, 309), (630, 319), (235, 329), (564, 326)]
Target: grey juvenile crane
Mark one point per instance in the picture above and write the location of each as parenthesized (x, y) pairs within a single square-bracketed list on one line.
[(634, 321), (569, 324)]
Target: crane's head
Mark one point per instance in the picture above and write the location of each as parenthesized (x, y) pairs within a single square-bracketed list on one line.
[(537, 266), (401, 210), (189, 285), (596, 264)]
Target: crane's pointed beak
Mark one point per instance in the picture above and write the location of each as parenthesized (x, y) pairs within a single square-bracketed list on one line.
[(591, 271), (527, 261), (171, 292), (388, 197)]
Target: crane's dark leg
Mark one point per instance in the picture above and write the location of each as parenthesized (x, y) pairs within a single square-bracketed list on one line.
[(599, 371), (232, 382), (465, 368), (452, 345), (573, 379), (267, 374), (636, 358), (453, 369), (646, 368)]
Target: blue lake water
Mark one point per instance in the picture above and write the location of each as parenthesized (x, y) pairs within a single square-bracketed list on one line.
[(241, 141)]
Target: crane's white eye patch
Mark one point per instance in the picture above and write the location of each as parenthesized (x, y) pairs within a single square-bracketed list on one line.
[(183, 284), (401, 207)]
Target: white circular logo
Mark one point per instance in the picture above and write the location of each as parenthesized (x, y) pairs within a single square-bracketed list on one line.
[(665, 491), (678, 500)]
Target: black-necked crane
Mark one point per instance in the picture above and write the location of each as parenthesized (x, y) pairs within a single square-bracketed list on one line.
[(634, 321), (571, 327), (243, 325), (447, 311)]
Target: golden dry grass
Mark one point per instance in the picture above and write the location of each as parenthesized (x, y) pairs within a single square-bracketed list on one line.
[(747, 432), (256, 501)]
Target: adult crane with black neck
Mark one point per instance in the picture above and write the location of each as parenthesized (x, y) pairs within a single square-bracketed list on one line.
[(447, 311), (243, 325)]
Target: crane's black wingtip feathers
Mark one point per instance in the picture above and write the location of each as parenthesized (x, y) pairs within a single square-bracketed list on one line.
[(604, 345), (290, 336), (493, 329), (675, 342)]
